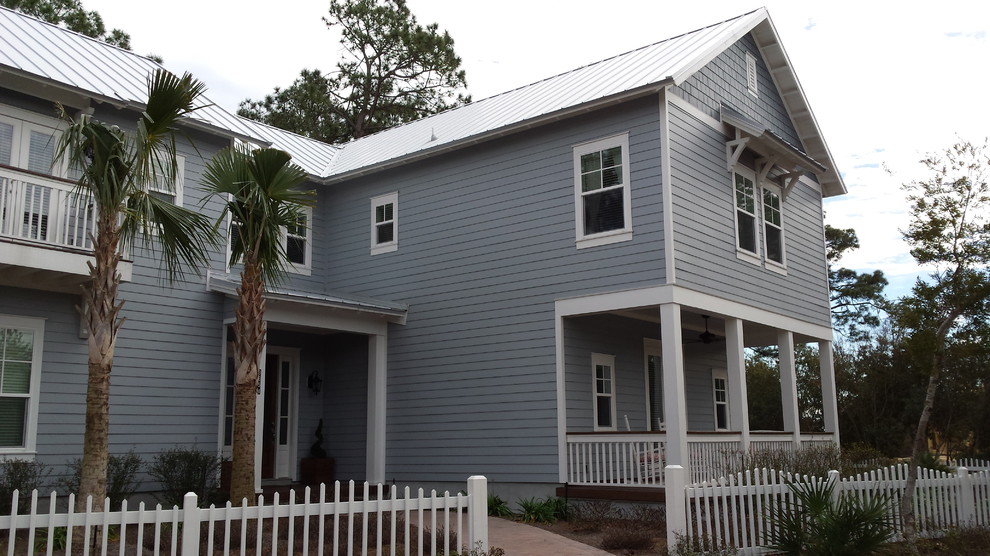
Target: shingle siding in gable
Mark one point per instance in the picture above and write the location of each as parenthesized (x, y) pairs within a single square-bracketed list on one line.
[(704, 231), (724, 80), (486, 244)]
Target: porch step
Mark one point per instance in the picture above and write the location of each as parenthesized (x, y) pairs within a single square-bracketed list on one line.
[(629, 494)]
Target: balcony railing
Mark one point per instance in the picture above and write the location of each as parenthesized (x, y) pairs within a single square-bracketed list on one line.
[(44, 210), (637, 459)]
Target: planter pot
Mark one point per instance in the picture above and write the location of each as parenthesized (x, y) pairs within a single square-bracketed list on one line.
[(313, 471)]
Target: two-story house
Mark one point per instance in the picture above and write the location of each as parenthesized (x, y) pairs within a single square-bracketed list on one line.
[(552, 285)]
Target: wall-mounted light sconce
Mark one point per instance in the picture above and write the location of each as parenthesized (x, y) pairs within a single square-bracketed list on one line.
[(314, 382)]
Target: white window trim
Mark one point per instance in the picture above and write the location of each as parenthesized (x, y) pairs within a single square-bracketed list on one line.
[(652, 347), (721, 374), (37, 326), (743, 254), (302, 269), (176, 191), (307, 268), (770, 263), (389, 246), (752, 77), (24, 122), (605, 360), (612, 236)]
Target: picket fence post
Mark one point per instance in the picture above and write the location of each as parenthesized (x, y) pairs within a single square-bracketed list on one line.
[(834, 480), (190, 524), (967, 500), (675, 483), (477, 489)]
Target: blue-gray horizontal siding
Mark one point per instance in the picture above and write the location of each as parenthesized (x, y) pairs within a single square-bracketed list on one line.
[(704, 232), (165, 383), (486, 244)]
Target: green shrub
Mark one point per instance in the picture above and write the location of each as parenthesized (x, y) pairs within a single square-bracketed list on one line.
[(535, 510), (122, 473), (498, 507), (931, 461), (181, 470), (814, 524), (559, 507), (23, 476)]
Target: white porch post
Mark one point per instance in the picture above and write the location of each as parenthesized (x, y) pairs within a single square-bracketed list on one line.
[(788, 385), (830, 410), (738, 396), (377, 366), (675, 412)]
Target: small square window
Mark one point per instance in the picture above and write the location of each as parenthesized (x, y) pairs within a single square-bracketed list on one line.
[(385, 223)]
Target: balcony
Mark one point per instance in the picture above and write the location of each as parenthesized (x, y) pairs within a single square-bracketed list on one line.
[(45, 232)]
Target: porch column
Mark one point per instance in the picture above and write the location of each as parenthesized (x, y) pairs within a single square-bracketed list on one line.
[(675, 412), (738, 396), (377, 366), (830, 410), (788, 385)]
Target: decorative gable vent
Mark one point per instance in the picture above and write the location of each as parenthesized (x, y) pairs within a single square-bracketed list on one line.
[(751, 75)]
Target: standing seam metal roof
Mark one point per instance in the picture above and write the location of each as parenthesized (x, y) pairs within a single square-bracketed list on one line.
[(80, 64)]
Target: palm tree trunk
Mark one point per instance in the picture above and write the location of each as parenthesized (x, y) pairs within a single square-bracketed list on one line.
[(103, 323), (249, 340)]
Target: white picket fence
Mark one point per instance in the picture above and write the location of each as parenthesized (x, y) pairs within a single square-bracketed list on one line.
[(381, 521), (736, 510)]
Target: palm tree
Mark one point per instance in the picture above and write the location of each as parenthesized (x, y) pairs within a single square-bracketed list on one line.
[(117, 168), (262, 200)]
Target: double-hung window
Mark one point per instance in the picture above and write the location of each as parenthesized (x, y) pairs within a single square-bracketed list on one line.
[(773, 228), (385, 223), (21, 341), (295, 240), (171, 192), (601, 192), (759, 220), (603, 369), (720, 396), (654, 385), (745, 193)]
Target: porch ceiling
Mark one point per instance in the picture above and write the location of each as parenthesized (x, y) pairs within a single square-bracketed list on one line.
[(693, 324)]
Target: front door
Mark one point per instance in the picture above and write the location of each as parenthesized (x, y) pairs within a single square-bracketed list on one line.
[(278, 429)]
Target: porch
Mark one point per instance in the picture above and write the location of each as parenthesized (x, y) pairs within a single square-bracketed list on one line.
[(643, 386), (637, 459)]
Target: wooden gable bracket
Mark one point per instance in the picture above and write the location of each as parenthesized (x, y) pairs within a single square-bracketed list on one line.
[(789, 180), (763, 167), (734, 149)]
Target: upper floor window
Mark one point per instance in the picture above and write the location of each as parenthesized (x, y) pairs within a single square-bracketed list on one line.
[(385, 223), (759, 208), (170, 192), (773, 230), (745, 211), (27, 144), (21, 341), (751, 81), (601, 191), (295, 240)]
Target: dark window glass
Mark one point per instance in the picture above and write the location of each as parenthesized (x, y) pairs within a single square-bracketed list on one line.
[(603, 211)]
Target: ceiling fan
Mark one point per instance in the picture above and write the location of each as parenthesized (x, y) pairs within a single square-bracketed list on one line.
[(707, 337)]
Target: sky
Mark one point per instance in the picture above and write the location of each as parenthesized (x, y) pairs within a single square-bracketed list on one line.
[(888, 82)]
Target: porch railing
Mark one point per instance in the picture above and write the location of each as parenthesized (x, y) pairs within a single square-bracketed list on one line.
[(637, 459), (44, 210)]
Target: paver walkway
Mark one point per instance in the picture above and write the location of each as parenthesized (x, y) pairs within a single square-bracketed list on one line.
[(519, 539)]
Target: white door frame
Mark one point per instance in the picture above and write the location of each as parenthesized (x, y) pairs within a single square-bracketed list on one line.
[(284, 454)]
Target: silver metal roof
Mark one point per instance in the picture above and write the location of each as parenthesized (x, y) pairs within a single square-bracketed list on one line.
[(79, 64), (74, 63), (640, 71)]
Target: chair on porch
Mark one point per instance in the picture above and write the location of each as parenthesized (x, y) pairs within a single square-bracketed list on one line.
[(650, 459)]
